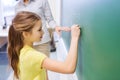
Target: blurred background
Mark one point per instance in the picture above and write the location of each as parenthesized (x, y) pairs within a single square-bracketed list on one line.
[(6, 15)]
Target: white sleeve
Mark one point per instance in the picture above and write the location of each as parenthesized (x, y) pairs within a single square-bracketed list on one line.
[(48, 15)]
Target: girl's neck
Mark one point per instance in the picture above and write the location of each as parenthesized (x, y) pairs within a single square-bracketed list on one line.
[(28, 43)]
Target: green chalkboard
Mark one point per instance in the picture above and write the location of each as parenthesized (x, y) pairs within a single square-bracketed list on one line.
[(99, 46)]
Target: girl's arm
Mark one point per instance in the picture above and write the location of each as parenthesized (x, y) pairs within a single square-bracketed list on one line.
[(69, 65)]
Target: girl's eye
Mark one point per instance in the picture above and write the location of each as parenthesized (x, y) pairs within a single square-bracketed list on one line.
[(39, 29)]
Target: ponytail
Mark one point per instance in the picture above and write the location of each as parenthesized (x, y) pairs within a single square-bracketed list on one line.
[(23, 22), (15, 43)]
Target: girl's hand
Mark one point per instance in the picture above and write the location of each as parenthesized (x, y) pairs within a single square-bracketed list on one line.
[(75, 31)]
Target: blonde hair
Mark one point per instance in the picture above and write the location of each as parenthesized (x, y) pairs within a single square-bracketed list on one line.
[(23, 21)]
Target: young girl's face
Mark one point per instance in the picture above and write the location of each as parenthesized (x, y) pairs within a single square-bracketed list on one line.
[(37, 32)]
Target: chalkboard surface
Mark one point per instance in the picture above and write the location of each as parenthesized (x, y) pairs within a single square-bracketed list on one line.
[(99, 46)]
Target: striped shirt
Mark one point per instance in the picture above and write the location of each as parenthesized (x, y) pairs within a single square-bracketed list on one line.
[(41, 8)]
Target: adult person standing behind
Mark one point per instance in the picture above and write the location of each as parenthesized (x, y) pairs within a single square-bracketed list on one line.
[(41, 8)]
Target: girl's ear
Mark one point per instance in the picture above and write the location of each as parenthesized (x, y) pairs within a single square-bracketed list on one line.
[(25, 34)]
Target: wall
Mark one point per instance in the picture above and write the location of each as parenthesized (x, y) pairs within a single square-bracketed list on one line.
[(55, 6), (1, 15)]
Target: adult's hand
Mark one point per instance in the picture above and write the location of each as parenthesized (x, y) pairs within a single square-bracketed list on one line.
[(59, 29)]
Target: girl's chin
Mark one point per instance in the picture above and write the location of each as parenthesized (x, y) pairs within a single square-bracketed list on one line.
[(38, 40)]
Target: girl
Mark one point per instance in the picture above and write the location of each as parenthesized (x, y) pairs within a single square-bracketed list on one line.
[(42, 8), (29, 64)]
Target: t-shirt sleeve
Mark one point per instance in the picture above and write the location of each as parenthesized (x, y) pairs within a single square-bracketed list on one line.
[(35, 60)]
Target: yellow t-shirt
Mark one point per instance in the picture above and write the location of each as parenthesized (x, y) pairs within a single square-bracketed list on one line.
[(30, 62)]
